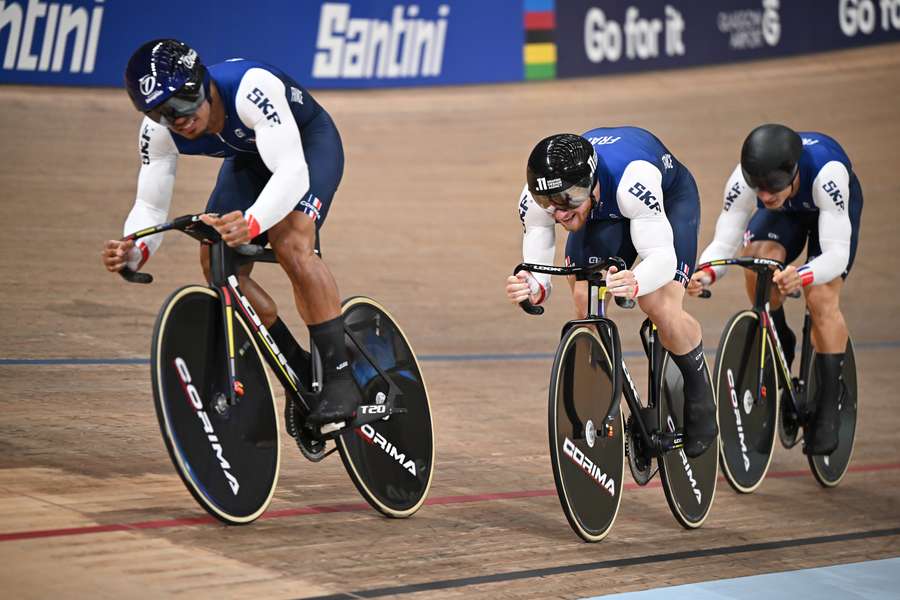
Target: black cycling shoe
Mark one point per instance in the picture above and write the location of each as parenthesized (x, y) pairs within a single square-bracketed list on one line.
[(338, 402), (823, 438), (700, 426)]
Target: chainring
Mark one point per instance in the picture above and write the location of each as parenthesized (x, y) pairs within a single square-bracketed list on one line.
[(640, 464), (312, 449)]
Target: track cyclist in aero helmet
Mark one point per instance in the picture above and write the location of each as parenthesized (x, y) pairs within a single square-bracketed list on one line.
[(619, 192), (283, 161), (805, 193)]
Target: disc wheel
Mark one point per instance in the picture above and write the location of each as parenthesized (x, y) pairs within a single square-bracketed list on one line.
[(689, 483), (390, 461), (586, 456), (748, 411), (227, 456), (830, 469)]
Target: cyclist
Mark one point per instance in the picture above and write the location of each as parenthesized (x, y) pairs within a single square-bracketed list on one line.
[(805, 193), (283, 162), (619, 192)]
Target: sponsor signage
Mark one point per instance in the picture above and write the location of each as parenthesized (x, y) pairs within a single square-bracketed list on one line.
[(594, 37), (372, 43), (380, 43)]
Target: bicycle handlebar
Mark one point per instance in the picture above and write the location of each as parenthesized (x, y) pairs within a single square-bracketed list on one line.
[(580, 273), (752, 263), (192, 226)]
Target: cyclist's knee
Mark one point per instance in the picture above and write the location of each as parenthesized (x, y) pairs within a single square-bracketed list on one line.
[(664, 306), (823, 302)]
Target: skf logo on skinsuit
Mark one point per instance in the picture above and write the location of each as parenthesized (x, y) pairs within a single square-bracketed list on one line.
[(197, 404), (257, 97), (368, 433), (831, 188), (732, 393), (732, 195), (62, 27), (523, 208), (688, 470), (358, 48), (640, 191), (587, 465), (145, 145)]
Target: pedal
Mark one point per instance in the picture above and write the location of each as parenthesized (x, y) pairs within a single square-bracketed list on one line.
[(332, 427)]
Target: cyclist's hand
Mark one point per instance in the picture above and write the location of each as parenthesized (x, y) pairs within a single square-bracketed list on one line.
[(520, 287), (233, 227), (788, 280), (700, 280), (621, 283), (115, 254)]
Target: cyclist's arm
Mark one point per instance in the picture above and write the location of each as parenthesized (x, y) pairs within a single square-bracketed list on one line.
[(739, 201), (154, 189), (538, 242), (640, 199), (831, 193), (262, 106)]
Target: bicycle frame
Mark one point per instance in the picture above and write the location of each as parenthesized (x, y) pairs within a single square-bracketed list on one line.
[(606, 328), (224, 265), (764, 273)]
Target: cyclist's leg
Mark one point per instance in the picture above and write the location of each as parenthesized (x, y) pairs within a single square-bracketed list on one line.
[(294, 240), (679, 332), (829, 335), (238, 184)]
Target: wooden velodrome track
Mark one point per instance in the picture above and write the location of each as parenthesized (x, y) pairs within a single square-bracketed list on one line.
[(425, 221)]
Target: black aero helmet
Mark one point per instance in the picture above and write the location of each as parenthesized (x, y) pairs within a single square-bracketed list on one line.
[(164, 79), (770, 156), (561, 171)]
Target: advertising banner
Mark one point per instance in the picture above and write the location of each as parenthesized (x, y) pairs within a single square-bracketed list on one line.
[(369, 43), (596, 36)]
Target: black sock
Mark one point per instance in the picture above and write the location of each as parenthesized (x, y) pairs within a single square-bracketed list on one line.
[(691, 367), (297, 357), (785, 334), (329, 340)]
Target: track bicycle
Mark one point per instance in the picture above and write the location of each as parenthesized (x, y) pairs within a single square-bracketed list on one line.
[(758, 398), (589, 440), (216, 409)]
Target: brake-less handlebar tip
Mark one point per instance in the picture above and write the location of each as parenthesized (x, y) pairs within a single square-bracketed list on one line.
[(135, 277)]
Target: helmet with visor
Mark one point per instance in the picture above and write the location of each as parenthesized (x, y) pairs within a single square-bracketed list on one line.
[(561, 171), (164, 79), (770, 157)]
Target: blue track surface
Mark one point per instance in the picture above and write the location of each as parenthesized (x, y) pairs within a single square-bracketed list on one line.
[(871, 579)]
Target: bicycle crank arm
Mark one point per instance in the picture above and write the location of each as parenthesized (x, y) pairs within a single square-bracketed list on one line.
[(365, 414), (666, 442)]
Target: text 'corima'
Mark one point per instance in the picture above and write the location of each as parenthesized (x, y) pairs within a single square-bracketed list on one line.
[(358, 48)]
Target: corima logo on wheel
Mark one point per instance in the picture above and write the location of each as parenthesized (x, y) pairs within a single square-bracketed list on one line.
[(63, 31), (737, 419), (194, 398), (688, 470), (405, 46), (368, 433), (587, 465)]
